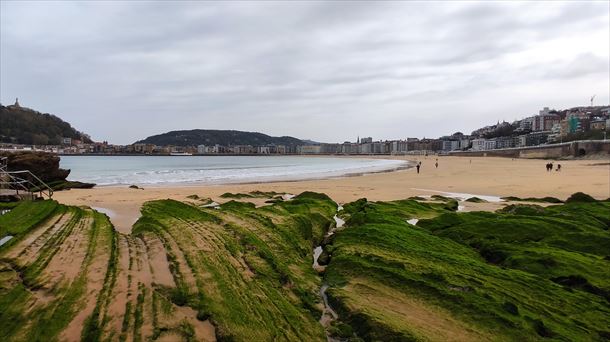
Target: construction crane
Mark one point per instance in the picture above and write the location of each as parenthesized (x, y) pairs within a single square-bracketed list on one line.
[(592, 97)]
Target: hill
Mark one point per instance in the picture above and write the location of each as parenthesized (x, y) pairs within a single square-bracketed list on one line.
[(19, 125), (210, 137)]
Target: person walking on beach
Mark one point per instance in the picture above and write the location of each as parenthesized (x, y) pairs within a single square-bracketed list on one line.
[(436, 164), (417, 167), (558, 167)]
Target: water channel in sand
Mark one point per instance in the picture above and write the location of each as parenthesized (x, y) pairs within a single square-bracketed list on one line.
[(328, 315)]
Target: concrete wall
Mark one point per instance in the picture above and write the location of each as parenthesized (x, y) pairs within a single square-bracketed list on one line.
[(581, 148)]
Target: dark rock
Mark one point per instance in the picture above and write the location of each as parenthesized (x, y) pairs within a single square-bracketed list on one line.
[(45, 166), (580, 197)]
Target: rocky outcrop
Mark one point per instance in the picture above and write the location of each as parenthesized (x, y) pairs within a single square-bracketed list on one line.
[(45, 166)]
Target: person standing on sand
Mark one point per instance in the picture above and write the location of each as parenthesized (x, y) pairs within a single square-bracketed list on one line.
[(436, 164), (558, 167), (417, 167)]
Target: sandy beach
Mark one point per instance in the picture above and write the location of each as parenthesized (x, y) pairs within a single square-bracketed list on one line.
[(478, 176)]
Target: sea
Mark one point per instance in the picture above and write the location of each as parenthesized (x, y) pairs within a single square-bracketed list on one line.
[(190, 170)]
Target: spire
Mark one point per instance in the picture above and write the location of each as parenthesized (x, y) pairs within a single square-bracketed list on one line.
[(358, 140), (17, 102)]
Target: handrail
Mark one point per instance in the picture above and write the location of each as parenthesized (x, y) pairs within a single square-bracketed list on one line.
[(42, 184), (17, 182)]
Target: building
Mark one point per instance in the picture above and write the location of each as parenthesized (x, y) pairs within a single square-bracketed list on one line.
[(309, 149), (544, 122), (450, 145), (330, 148), (505, 142), (398, 146), (490, 144), (350, 148), (478, 144), (536, 138), (366, 140), (264, 149), (598, 125)]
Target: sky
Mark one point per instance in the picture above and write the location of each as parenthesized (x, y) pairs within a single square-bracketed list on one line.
[(328, 71)]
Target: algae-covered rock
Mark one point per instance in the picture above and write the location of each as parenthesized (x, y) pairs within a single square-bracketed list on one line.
[(580, 197)]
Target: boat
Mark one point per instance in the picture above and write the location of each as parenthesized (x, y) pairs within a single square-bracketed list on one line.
[(180, 154)]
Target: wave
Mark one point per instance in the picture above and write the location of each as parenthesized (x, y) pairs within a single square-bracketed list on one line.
[(168, 171)]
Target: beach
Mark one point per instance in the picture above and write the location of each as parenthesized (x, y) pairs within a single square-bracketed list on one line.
[(483, 176)]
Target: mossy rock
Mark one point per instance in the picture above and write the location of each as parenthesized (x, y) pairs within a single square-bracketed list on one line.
[(324, 258), (580, 197), (341, 330), (547, 199), (521, 209), (440, 198), (476, 200), (418, 198)]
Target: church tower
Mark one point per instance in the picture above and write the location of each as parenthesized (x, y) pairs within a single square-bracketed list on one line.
[(17, 102)]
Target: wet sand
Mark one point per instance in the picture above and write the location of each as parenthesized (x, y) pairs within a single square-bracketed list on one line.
[(478, 176)]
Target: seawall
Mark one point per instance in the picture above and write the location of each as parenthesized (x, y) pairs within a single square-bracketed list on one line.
[(573, 149)]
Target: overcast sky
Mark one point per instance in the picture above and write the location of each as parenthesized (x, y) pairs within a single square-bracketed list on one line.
[(326, 71)]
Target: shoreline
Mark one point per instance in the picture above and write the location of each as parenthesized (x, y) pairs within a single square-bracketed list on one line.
[(500, 177), (270, 181)]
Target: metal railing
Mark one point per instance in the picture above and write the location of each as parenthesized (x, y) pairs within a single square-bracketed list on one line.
[(23, 180)]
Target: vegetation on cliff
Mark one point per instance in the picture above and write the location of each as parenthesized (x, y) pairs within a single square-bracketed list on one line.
[(20, 125)]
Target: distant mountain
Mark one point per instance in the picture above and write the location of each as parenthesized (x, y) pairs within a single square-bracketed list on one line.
[(211, 137), (310, 142), (20, 125)]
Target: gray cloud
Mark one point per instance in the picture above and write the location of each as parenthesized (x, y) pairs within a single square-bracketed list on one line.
[(327, 71)]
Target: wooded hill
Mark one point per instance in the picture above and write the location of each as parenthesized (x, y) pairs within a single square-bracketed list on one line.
[(211, 137), (19, 125)]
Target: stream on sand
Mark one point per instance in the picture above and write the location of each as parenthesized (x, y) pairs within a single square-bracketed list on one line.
[(328, 315)]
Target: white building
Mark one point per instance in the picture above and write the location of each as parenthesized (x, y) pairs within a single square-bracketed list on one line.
[(478, 144)]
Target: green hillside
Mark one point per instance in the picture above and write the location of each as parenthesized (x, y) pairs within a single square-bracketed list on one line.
[(221, 137), (19, 125)]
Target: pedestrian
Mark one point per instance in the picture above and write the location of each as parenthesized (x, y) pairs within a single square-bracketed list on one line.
[(558, 167), (418, 166), (436, 165)]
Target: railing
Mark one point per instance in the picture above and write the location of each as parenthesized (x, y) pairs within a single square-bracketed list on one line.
[(22, 181)]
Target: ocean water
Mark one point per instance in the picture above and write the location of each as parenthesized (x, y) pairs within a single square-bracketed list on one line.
[(172, 170)]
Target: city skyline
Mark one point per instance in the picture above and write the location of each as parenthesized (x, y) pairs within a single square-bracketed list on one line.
[(386, 70)]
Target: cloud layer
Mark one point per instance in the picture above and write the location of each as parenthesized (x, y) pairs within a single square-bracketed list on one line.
[(326, 71)]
